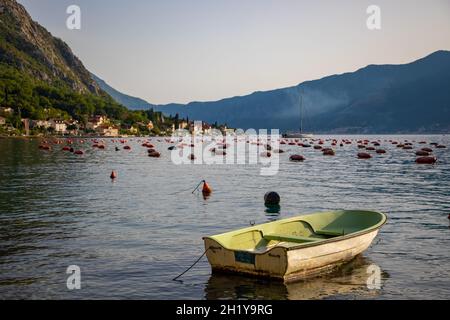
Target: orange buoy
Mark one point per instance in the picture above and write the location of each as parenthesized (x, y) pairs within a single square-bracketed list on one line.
[(113, 175), (363, 155), (206, 188), (426, 160)]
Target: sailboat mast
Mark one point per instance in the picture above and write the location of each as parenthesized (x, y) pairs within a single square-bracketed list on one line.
[(301, 113)]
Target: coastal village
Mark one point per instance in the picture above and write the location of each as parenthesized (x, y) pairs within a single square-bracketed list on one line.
[(11, 124)]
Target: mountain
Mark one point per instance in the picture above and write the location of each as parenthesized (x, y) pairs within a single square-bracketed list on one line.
[(412, 97), (39, 72), (128, 101)]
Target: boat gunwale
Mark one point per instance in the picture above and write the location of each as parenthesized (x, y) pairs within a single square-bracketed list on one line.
[(310, 244)]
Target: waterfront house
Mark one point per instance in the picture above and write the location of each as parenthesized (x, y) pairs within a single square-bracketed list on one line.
[(108, 130), (183, 125), (59, 126), (207, 128), (40, 124), (196, 127), (6, 110), (96, 122)]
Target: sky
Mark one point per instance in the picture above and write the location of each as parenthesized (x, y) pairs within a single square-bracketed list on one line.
[(201, 50)]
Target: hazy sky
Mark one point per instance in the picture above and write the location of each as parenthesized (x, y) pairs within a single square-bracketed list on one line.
[(185, 50)]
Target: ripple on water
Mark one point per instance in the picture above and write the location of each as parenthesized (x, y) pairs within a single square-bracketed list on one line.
[(133, 235)]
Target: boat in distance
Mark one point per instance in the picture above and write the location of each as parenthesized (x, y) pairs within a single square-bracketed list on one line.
[(298, 135), (295, 248)]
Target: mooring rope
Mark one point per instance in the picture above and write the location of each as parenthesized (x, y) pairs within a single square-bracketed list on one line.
[(196, 188), (198, 260)]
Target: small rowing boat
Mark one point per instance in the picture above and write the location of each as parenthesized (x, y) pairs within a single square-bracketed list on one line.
[(295, 248)]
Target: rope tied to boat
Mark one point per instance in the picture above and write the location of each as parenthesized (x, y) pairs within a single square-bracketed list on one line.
[(197, 261), (198, 186)]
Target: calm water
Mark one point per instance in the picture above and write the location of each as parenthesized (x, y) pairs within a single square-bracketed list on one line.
[(132, 236)]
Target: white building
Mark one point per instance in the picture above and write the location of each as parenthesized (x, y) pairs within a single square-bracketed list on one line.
[(60, 126), (96, 122)]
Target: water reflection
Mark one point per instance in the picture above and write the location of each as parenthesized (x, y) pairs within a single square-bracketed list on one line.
[(272, 212), (349, 280)]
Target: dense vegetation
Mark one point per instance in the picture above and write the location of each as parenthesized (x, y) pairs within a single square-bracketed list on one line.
[(37, 100)]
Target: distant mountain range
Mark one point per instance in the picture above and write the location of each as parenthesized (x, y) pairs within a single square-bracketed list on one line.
[(128, 101), (412, 97), (39, 71)]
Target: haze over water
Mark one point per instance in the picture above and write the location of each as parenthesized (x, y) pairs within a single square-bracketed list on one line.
[(130, 237)]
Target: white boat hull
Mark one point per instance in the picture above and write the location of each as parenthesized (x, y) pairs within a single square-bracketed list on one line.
[(287, 262)]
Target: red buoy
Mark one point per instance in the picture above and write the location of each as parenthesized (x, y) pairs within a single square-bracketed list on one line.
[(328, 152), (113, 175), (426, 160), (363, 155), (381, 151), (296, 158), (422, 153), (154, 154), (79, 152), (127, 148), (45, 147)]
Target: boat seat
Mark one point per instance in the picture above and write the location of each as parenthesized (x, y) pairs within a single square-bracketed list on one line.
[(330, 232), (287, 238)]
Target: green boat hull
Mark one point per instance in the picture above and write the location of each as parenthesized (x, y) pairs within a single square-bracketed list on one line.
[(295, 248)]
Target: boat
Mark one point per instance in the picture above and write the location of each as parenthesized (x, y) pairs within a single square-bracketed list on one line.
[(300, 134), (295, 248)]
